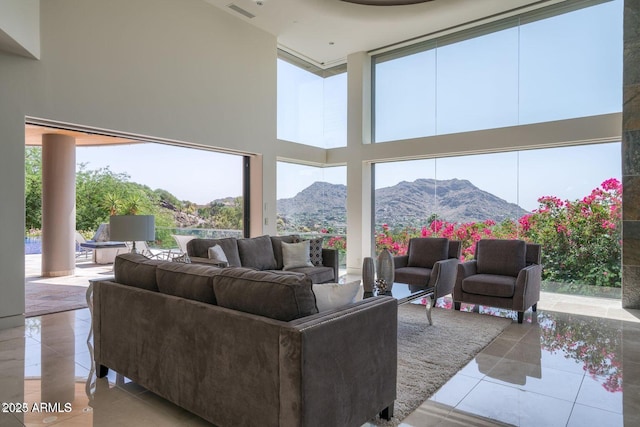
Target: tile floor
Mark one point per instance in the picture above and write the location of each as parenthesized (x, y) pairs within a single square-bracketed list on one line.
[(558, 368)]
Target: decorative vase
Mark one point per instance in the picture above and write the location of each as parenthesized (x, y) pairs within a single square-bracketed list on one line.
[(368, 275), (385, 267)]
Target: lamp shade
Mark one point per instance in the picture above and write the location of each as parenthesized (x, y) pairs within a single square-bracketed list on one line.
[(131, 228)]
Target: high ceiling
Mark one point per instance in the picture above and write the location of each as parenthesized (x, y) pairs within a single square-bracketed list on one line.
[(324, 32)]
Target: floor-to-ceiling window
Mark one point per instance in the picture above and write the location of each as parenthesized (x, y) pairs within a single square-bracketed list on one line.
[(313, 201)]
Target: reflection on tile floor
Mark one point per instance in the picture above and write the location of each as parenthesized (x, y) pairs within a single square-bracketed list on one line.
[(555, 369)]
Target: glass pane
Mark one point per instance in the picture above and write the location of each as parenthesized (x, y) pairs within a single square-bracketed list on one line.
[(404, 202), (568, 173), (575, 197), (405, 93), (311, 201), (478, 188), (571, 64), (311, 110), (335, 111), (478, 83), (300, 105)]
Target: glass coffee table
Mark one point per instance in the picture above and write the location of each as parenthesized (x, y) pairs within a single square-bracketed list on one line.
[(405, 293)]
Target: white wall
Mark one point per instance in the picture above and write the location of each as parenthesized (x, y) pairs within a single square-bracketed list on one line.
[(176, 69), (20, 27)]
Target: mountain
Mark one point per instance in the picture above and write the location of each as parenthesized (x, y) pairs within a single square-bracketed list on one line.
[(315, 206), (404, 204)]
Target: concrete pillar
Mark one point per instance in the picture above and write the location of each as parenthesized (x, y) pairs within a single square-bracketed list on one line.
[(58, 205)]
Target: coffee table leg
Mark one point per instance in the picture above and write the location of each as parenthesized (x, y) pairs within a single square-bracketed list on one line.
[(428, 308)]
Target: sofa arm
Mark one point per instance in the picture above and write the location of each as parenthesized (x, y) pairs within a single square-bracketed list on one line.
[(330, 259), (339, 368), (400, 261), (465, 269), (443, 277), (527, 290)]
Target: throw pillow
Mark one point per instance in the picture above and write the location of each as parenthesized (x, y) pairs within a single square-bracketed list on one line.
[(315, 251), (295, 255), (336, 295), (217, 253)]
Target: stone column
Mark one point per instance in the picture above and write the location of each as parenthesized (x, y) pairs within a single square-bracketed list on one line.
[(631, 157), (58, 205)]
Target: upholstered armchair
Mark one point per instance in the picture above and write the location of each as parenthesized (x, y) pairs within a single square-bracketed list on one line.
[(504, 274), (430, 262)]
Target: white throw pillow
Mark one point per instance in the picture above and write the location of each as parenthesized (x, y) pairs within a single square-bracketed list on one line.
[(216, 252), (295, 255), (336, 295)]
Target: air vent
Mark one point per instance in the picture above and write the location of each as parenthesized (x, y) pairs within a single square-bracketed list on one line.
[(241, 11)]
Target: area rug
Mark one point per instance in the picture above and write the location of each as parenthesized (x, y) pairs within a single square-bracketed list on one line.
[(428, 356), (43, 299)]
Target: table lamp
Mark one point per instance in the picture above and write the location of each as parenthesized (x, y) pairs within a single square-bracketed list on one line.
[(132, 228)]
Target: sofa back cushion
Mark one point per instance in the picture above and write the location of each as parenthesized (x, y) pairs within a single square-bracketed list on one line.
[(191, 281), (281, 296), (502, 257), (426, 251), (136, 270), (257, 252), (200, 248)]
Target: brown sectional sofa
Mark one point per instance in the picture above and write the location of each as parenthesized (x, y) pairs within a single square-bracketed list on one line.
[(238, 346), (263, 253)]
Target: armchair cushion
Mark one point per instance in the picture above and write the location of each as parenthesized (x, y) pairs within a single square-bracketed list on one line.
[(424, 252), (412, 275), (501, 257), (490, 285)]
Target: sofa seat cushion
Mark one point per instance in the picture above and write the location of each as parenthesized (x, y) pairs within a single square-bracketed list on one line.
[(490, 285), (191, 281), (257, 252), (136, 270), (281, 296), (412, 275), (426, 251), (317, 274), (503, 257)]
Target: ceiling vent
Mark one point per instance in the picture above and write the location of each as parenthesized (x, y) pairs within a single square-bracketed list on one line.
[(241, 11)]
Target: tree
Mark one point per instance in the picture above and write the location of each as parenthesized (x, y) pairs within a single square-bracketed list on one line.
[(33, 188)]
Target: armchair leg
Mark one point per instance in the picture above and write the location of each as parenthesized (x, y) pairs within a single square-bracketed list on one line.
[(387, 413), (457, 305), (534, 307), (520, 316)]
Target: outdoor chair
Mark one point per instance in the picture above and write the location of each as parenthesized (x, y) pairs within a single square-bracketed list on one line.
[(430, 262), (504, 274), (143, 248), (80, 250), (182, 241)]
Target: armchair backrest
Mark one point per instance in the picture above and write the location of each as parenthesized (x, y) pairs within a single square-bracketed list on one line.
[(501, 257), (534, 253), (425, 251), (455, 249)]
